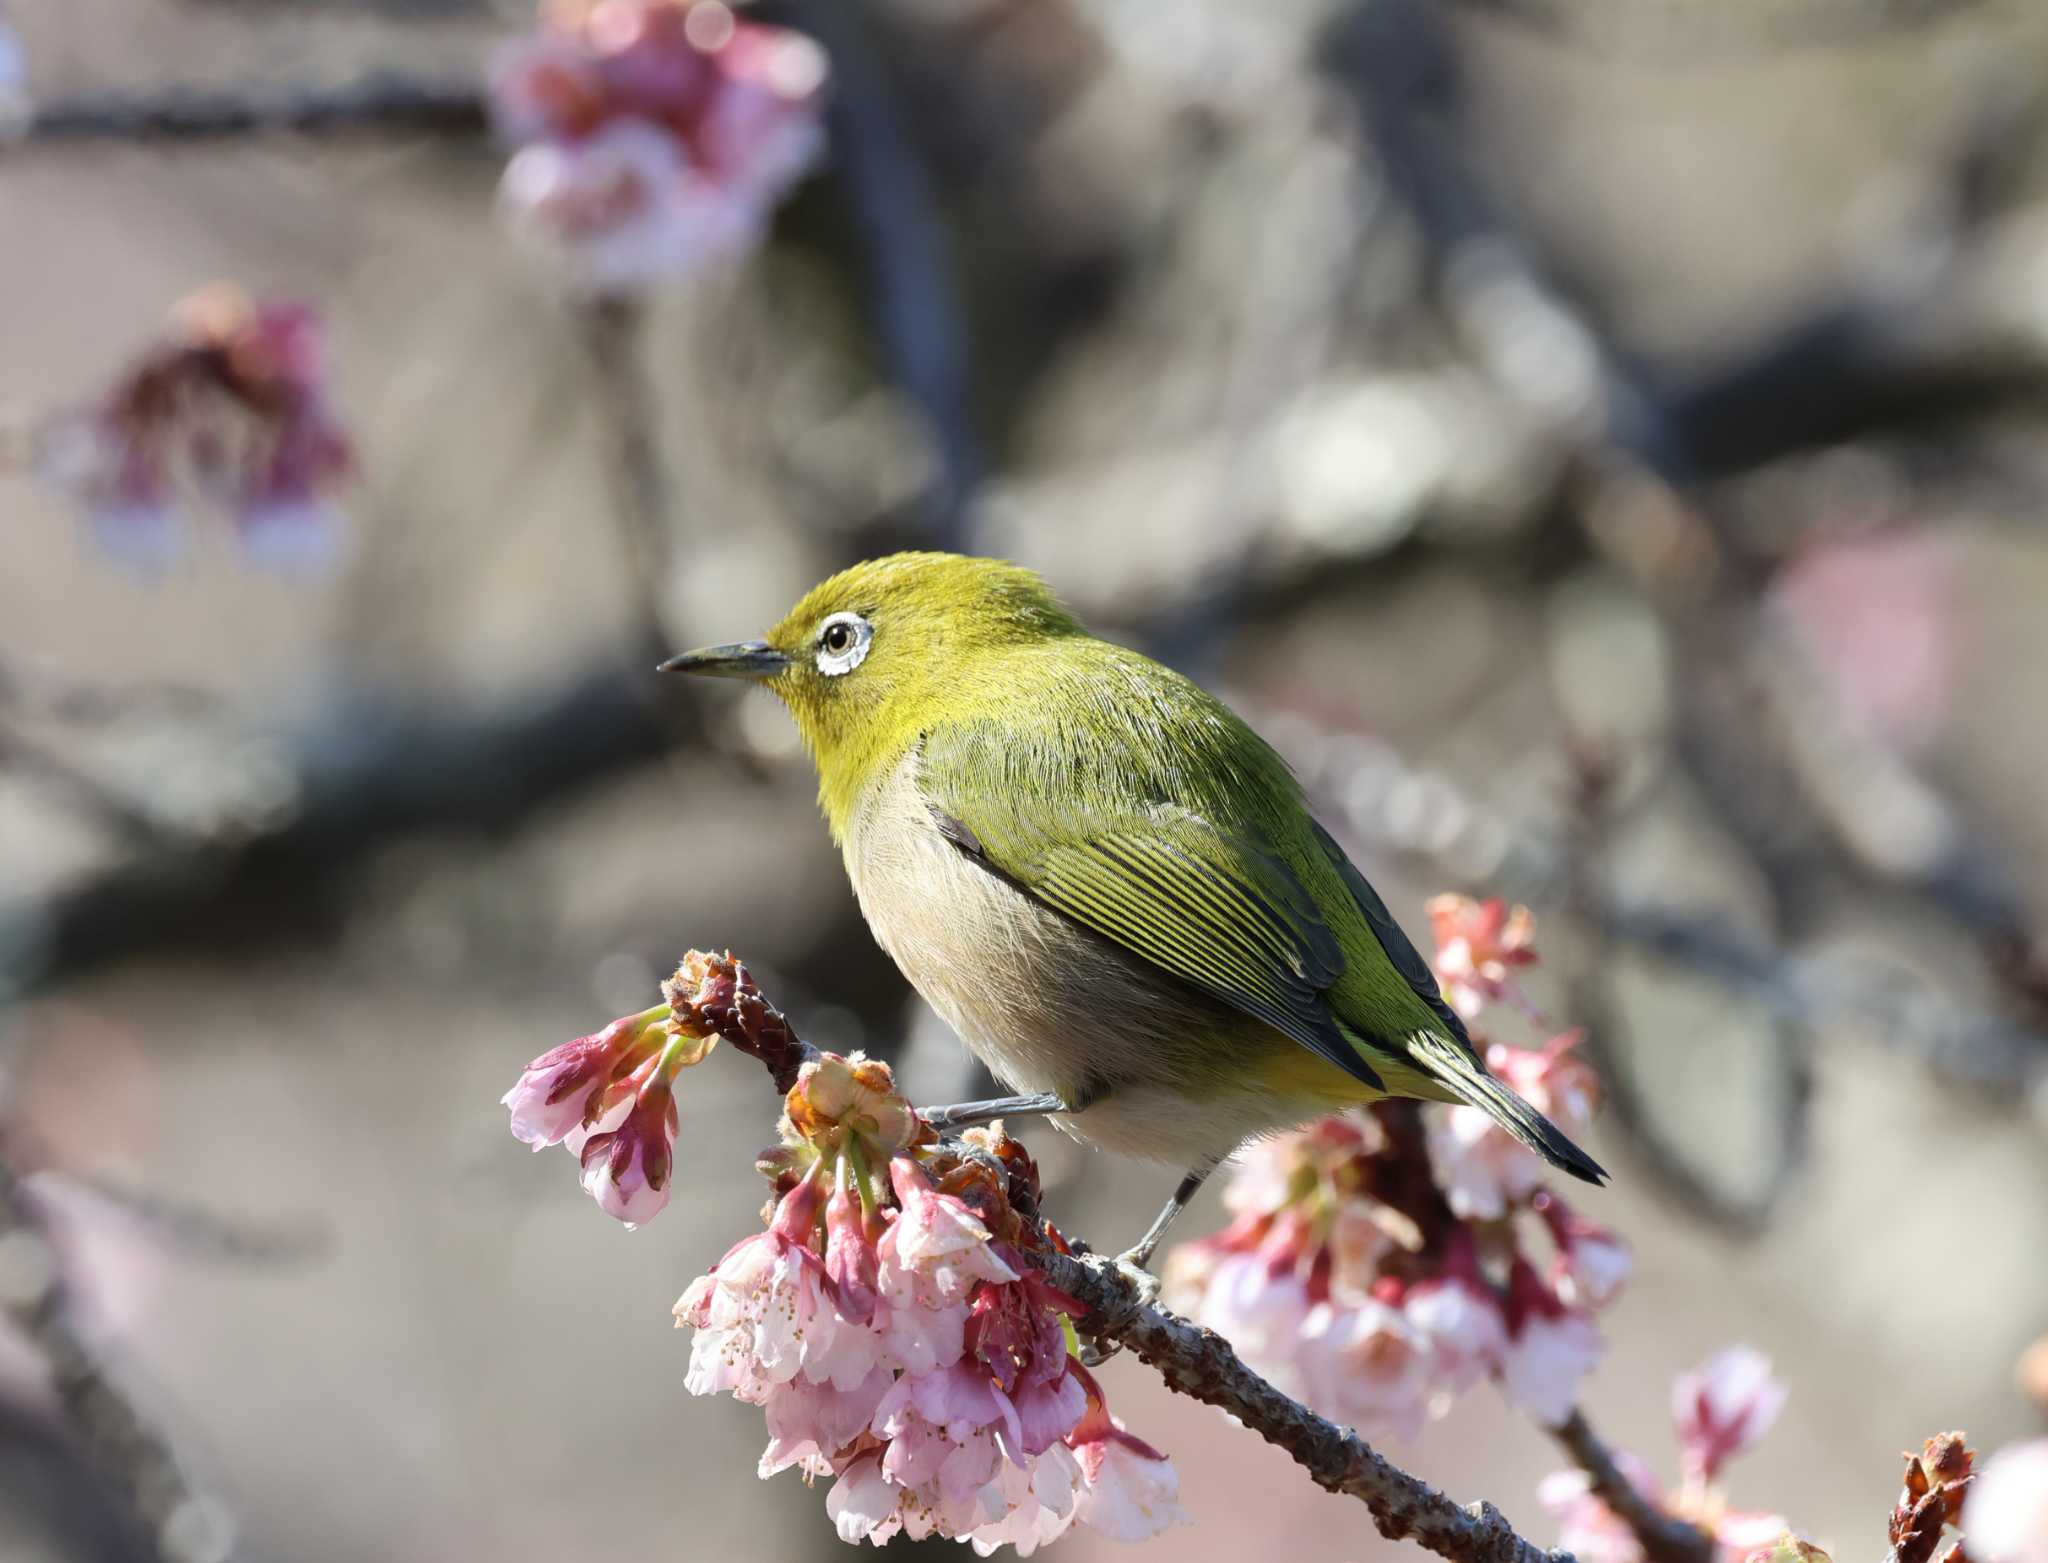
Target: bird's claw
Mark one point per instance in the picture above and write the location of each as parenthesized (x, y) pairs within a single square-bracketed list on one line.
[(1130, 1266)]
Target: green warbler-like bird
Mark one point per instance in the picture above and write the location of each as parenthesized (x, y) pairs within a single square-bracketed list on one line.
[(1108, 884)]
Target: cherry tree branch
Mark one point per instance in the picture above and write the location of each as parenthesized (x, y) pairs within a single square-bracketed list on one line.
[(1664, 1539), (1198, 1362)]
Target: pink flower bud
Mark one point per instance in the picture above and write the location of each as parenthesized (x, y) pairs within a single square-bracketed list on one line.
[(850, 1258), (1723, 1406), (627, 1169), (551, 1098)]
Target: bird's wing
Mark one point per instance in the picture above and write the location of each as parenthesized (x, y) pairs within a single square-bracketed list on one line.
[(1401, 954), (1220, 911)]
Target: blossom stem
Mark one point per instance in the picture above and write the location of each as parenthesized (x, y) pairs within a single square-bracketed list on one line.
[(1664, 1538), (857, 1162)]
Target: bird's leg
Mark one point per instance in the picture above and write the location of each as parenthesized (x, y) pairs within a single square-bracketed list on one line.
[(962, 1114), (1134, 1262), (1139, 1255)]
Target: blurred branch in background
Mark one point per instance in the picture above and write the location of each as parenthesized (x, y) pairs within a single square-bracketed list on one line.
[(879, 172), (1663, 1538), (386, 102), (643, 500), (1695, 29), (172, 1521)]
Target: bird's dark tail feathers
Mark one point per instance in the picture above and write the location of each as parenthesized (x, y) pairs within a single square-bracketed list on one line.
[(1465, 1077)]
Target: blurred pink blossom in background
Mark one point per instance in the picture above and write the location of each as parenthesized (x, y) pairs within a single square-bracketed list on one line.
[(231, 413), (653, 136), (1874, 615), (1377, 1271), (2005, 1516), (1719, 1409)]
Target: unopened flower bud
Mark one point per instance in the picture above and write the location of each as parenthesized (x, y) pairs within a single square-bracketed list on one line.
[(850, 1260)]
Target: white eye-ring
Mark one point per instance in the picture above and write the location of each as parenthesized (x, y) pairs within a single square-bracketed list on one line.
[(842, 642)]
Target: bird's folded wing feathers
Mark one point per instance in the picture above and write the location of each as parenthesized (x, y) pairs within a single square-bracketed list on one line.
[(1219, 911), (1401, 953)]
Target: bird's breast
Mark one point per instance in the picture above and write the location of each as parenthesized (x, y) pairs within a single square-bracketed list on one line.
[(1045, 1003)]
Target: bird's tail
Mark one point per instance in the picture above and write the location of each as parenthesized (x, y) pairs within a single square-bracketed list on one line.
[(1464, 1076)]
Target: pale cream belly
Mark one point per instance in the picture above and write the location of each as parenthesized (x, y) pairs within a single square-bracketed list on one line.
[(1166, 1073)]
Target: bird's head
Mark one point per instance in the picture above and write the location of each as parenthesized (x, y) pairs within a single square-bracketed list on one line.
[(878, 653)]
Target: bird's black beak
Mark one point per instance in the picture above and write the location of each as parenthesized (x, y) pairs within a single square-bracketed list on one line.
[(748, 659)]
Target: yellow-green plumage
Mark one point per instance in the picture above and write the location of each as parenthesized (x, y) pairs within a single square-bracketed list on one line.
[(1108, 884)]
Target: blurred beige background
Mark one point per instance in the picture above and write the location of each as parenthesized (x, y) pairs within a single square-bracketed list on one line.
[(1229, 402)]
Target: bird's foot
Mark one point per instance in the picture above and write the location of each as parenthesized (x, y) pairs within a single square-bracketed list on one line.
[(1130, 1265)]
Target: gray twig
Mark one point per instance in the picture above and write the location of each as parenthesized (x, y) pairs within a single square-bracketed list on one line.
[(1200, 1363), (381, 103), (1664, 1539)]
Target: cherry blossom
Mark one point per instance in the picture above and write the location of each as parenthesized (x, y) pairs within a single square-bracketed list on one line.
[(1733, 1393), (1367, 1366), (1129, 1490), (1551, 1347), (1478, 944), (1592, 1264), (1724, 1406)]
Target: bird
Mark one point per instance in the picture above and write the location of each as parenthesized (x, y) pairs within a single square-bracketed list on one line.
[(1101, 877)]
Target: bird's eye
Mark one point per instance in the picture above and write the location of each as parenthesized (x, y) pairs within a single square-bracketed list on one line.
[(842, 642)]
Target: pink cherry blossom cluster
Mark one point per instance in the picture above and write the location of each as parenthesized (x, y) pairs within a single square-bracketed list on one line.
[(888, 1320), (230, 413), (1719, 1409), (1377, 1264), (652, 136)]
